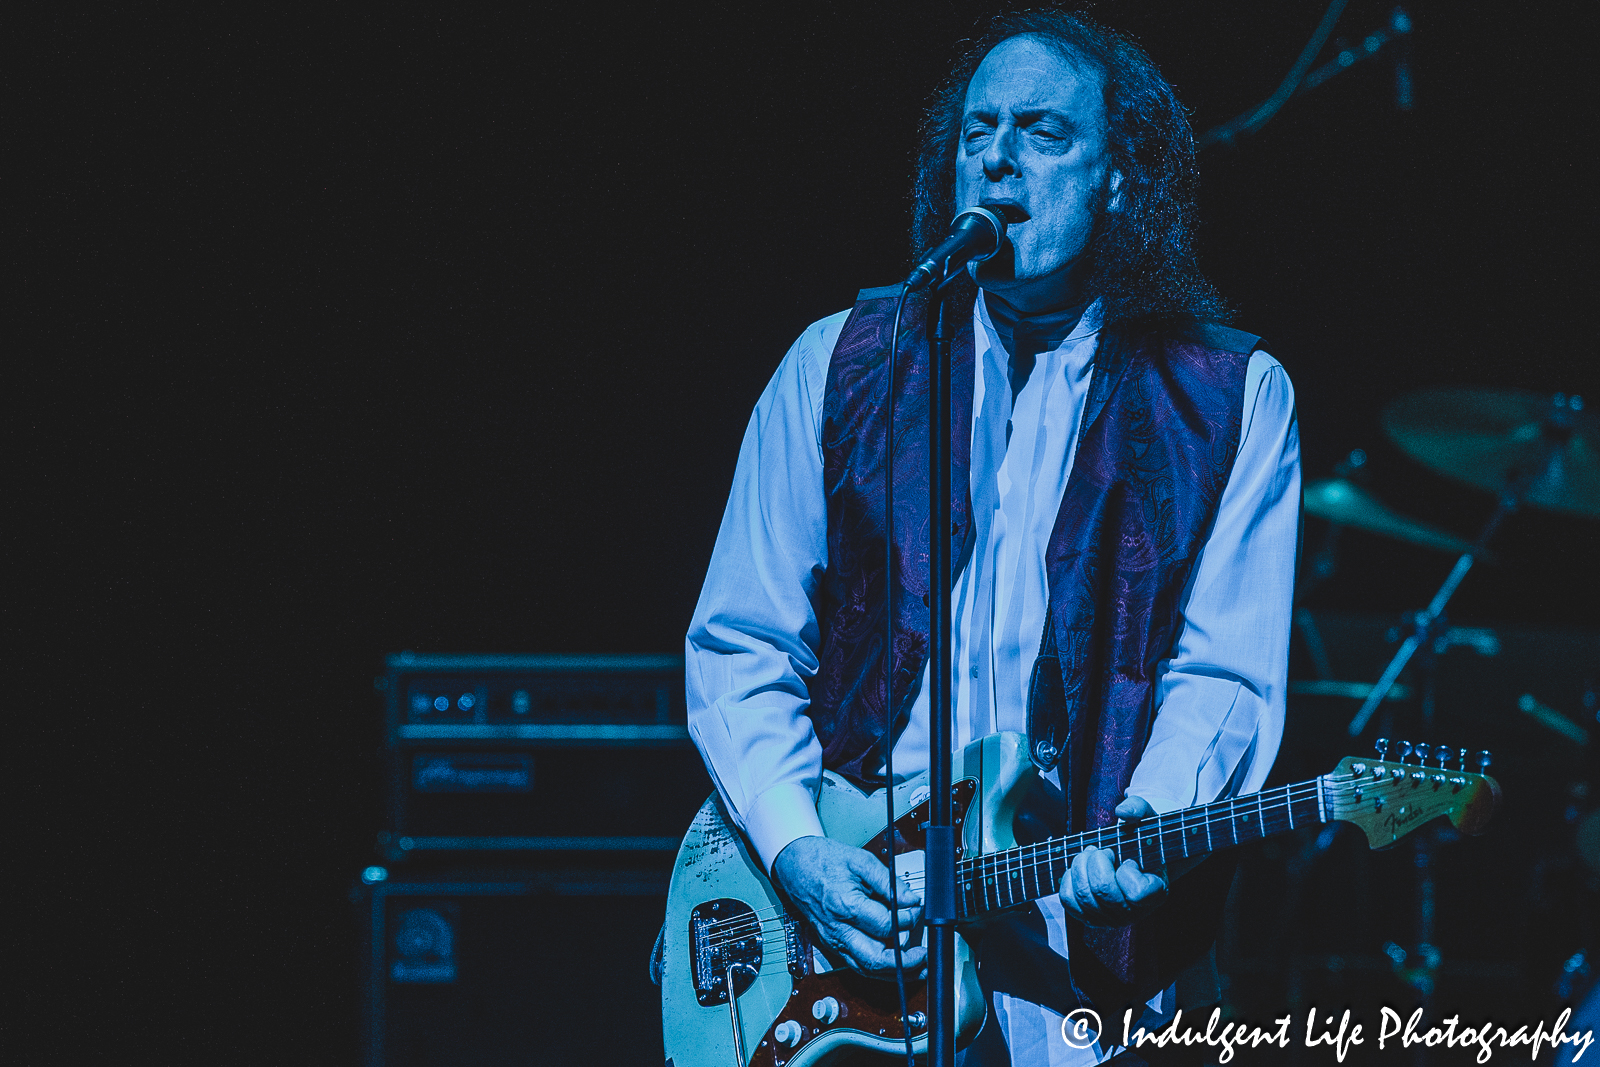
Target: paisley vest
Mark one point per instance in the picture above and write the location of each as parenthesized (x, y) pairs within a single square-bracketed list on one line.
[(1159, 434)]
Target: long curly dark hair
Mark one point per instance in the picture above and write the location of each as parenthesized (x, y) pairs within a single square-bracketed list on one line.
[(1143, 252)]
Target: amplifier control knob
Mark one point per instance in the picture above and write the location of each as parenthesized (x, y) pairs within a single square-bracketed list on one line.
[(788, 1033), (826, 1009)]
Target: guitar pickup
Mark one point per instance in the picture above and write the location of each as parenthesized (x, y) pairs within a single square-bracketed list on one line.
[(797, 947)]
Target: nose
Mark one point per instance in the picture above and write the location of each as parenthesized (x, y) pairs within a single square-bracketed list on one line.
[(1000, 157)]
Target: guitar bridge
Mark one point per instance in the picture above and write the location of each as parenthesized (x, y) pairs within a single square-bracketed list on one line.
[(725, 939), (797, 946)]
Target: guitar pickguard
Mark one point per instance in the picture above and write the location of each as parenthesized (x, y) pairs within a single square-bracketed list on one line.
[(788, 1013), (729, 925), (843, 1000)]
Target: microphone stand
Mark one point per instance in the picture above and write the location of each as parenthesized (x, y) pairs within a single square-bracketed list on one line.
[(939, 902)]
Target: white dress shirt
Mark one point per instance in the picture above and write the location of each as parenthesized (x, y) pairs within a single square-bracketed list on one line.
[(755, 636)]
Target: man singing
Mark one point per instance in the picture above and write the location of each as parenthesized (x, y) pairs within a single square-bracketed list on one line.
[(1127, 487)]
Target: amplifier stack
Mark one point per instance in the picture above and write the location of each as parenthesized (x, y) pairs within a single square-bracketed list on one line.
[(533, 806)]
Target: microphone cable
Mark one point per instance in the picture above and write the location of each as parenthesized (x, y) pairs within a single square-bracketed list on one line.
[(888, 674)]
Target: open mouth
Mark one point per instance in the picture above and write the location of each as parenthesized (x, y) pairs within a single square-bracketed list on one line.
[(1012, 213)]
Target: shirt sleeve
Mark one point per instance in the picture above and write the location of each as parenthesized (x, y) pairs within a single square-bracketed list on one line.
[(754, 638), (1220, 696)]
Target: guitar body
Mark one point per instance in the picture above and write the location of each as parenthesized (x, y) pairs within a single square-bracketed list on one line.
[(742, 984), (795, 1009)]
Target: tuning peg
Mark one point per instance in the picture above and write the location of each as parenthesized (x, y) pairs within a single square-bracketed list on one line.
[(1463, 759), (1382, 745), (1405, 750), (1441, 754), (1423, 752), (1484, 759)]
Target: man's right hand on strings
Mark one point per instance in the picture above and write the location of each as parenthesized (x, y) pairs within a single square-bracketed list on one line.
[(844, 892)]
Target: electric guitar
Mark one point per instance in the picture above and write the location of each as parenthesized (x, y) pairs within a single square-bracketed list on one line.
[(743, 985)]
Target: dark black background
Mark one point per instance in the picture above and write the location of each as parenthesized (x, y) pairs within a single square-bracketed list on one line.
[(342, 331)]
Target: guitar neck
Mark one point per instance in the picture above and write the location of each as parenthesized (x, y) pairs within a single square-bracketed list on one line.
[(1015, 876)]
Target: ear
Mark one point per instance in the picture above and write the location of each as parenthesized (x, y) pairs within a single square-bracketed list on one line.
[(1114, 190)]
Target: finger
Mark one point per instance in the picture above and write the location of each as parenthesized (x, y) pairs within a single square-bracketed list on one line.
[(872, 875), (874, 920), (876, 879), (882, 958), (1139, 887), (907, 896), (867, 954), (871, 918), (905, 892), (1082, 895), (1133, 809), (1102, 879), (863, 953)]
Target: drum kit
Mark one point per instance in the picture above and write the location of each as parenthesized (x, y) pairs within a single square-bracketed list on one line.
[(1526, 448)]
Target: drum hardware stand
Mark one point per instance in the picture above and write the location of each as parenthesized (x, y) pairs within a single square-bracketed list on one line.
[(1325, 564), (1555, 428), (1426, 629)]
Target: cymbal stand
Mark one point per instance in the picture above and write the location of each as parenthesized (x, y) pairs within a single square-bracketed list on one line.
[(1425, 628), (1555, 429), (1321, 567), (1325, 563)]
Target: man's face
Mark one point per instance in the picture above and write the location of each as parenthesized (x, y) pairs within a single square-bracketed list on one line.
[(1033, 134)]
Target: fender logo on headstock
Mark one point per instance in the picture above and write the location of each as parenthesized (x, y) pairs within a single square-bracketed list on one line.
[(1397, 821), (1389, 800)]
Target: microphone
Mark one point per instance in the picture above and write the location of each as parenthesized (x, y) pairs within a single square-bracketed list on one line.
[(975, 235)]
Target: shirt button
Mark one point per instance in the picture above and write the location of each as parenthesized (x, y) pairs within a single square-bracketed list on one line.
[(974, 670)]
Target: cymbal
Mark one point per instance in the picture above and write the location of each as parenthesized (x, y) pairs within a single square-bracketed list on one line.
[(1346, 503), (1484, 437)]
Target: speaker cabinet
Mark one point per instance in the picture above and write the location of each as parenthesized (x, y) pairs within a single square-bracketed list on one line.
[(468, 968)]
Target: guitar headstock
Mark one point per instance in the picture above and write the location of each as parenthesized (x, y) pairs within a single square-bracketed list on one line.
[(1390, 798)]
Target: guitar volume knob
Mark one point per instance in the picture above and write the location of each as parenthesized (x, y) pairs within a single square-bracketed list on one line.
[(826, 1010), (788, 1033)]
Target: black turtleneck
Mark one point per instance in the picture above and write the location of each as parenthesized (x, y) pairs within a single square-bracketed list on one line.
[(1025, 336)]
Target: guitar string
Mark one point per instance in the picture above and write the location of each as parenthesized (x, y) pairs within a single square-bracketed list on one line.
[(774, 912), (1027, 856), (1023, 860), (1146, 833), (1225, 813), (1017, 862), (768, 943), (1002, 874), (1020, 862)]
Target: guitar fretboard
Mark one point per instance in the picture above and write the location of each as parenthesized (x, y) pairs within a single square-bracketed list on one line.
[(1002, 880)]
